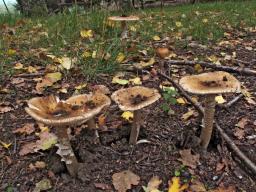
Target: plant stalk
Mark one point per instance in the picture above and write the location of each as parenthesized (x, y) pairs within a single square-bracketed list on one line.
[(209, 111)]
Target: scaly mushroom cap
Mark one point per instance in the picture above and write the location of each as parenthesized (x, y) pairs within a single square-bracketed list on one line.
[(125, 18), (77, 109), (135, 98), (211, 83)]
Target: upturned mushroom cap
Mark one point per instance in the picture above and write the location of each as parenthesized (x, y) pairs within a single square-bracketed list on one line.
[(135, 98), (211, 83), (125, 18), (77, 109)]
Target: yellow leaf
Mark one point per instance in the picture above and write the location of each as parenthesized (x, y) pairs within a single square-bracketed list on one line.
[(214, 59), (54, 77), (175, 186), (31, 69), (127, 115), (11, 52), (86, 33), (156, 38), (86, 54), (5, 145), (205, 20), (132, 28), (198, 68), (81, 86), (187, 115), (94, 54), (144, 64), (67, 63), (117, 80), (136, 81), (178, 24), (181, 101), (63, 90), (18, 66), (219, 99), (120, 57)]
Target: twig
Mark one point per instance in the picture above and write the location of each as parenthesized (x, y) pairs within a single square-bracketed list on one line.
[(240, 70), (228, 140), (29, 75), (8, 11), (233, 101)]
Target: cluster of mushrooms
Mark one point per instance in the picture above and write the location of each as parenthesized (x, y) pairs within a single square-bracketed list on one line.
[(83, 108)]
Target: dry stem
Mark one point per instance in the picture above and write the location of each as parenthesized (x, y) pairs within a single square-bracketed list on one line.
[(135, 127)]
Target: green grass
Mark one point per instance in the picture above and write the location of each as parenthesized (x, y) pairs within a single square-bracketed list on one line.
[(60, 34)]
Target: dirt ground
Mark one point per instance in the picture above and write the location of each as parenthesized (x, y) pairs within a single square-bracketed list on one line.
[(165, 135)]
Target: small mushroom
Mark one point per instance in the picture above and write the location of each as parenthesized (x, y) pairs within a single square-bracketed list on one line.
[(162, 52), (124, 20), (210, 84), (134, 99), (61, 114)]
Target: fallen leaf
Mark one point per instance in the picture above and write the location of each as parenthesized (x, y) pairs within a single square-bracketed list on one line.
[(156, 38), (47, 140), (144, 64), (5, 145), (54, 77), (188, 159), (86, 33), (102, 120), (222, 189), (27, 129), (124, 180), (153, 185), (43, 185), (219, 99), (181, 101), (175, 186), (18, 66), (197, 186), (198, 68), (27, 148), (119, 81), (120, 57), (102, 186), (187, 115), (135, 81), (239, 133), (242, 122), (127, 115), (178, 24), (67, 63), (5, 109)]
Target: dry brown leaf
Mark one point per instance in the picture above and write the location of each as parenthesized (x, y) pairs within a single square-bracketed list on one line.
[(5, 109), (239, 133), (242, 122), (153, 184), (188, 159), (197, 186), (27, 129), (102, 186), (27, 148), (222, 189), (102, 120), (124, 180)]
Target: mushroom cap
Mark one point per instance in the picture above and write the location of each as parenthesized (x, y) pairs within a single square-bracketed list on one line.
[(210, 83), (135, 98), (75, 110), (126, 18)]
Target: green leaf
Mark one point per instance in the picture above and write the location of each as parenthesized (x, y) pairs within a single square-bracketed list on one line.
[(165, 107)]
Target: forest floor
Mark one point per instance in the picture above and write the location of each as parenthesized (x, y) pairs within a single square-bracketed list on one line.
[(80, 51)]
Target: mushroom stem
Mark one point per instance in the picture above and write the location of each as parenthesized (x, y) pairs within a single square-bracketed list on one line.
[(124, 29), (66, 152), (209, 111), (91, 123), (135, 127)]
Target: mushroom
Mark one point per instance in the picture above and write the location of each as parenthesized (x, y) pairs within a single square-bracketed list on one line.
[(123, 20), (134, 99), (61, 114), (210, 84)]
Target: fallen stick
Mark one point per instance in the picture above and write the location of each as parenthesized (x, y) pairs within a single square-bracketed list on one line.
[(228, 140), (231, 102), (240, 70), (29, 75)]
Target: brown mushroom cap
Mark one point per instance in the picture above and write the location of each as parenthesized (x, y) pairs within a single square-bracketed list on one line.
[(135, 98), (126, 18), (210, 83), (77, 109)]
